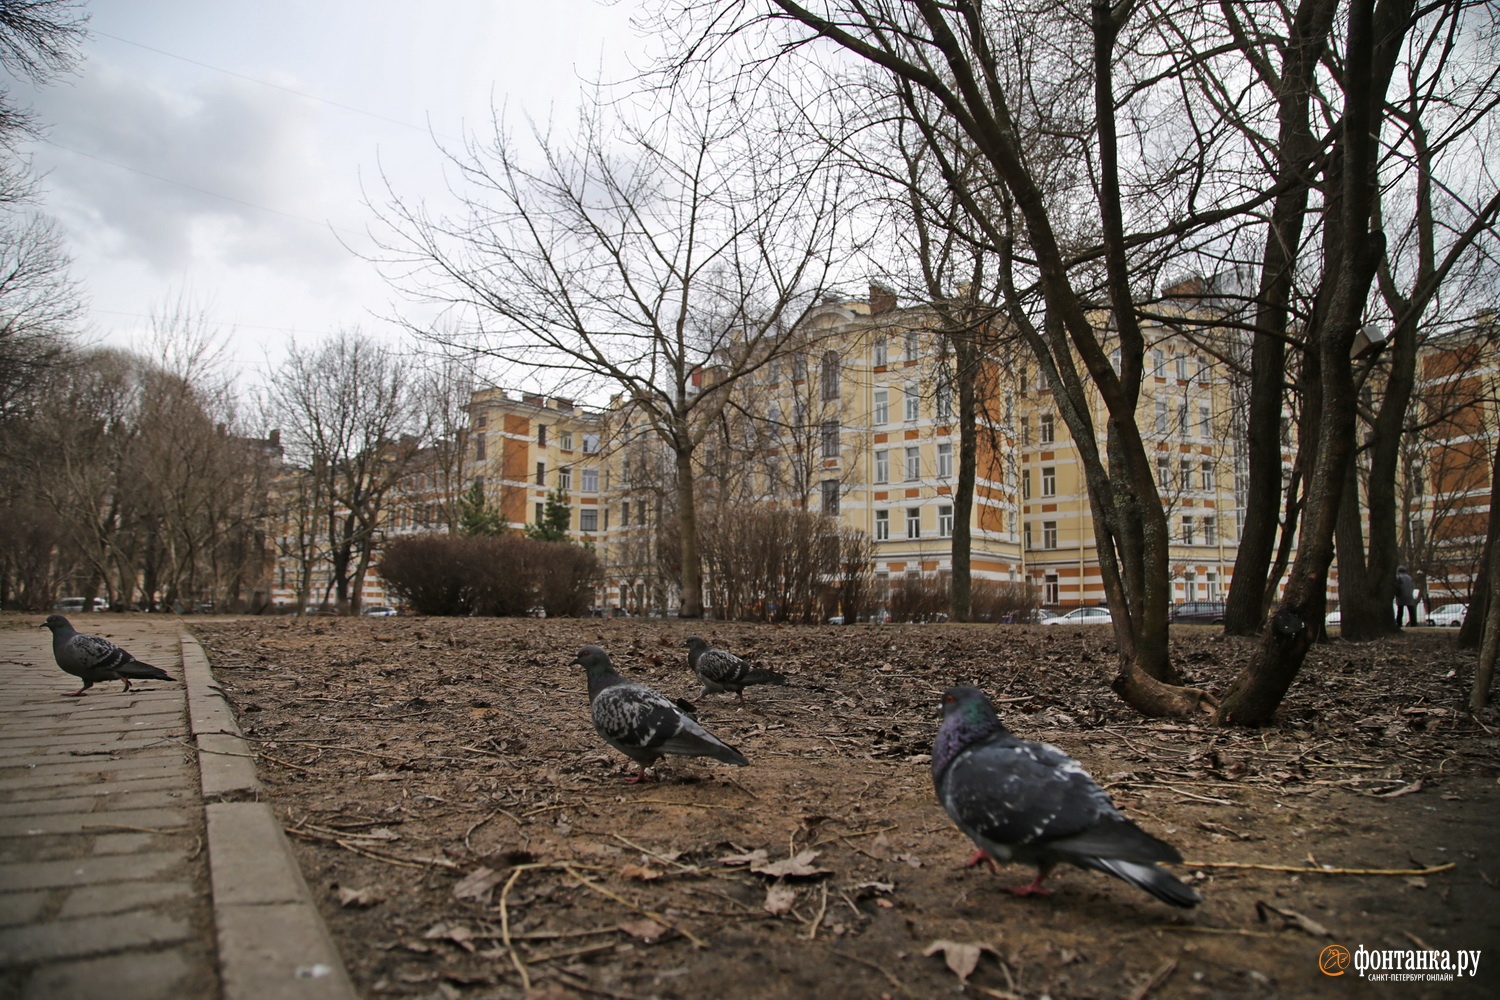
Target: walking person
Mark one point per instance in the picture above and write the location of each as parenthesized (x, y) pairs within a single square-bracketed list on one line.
[(1406, 596)]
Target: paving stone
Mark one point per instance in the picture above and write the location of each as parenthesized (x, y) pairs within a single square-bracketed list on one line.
[(154, 781), (90, 936), (281, 951), (140, 976), (86, 871), (151, 799), (155, 819), (248, 856), (119, 897), (136, 843), (22, 907), (225, 767)]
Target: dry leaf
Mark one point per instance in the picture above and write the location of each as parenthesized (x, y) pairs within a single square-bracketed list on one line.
[(645, 930), (795, 867), (755, 857), (1415, 786), (477, 884), (1291, 918), (961, 957), (357, 898), (641, 873), (457, 933), (779, 898)]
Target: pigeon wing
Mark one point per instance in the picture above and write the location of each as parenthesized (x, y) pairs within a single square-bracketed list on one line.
[(84, 655), (635, 716), (1017, 793), (721, 667)]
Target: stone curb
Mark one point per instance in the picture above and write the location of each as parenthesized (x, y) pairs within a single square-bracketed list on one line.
[(272, 942)]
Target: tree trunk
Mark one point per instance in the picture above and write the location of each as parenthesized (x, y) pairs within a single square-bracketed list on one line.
[(691, 587), (1481, 595), (967, 358)]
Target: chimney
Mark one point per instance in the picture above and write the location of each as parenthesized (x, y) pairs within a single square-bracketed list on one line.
[(533, 399), (882, 299), (562, 405), (274, 438)]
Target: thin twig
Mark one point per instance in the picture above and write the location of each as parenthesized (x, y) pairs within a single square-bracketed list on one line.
[(653, 854), (812, 932), (869, 964), (664, 921), (515, 959), (372, 855), (1157, 978), (136, 829), (689, 805), (1305, 870)]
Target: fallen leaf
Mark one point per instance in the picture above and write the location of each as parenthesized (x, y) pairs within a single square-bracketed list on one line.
[(641, 873), (910, 859), (457, 933), (1293, 919), (961, 957), (357, 898), (779, 898), (876, 887), (644, 930), (755, 857), (799, 866), (477, 884), (1396, 793)]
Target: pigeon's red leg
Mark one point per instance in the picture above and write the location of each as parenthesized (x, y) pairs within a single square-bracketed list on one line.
[(1034, 889), (979, 856), (638, 778), (127, 684), (76, 694)]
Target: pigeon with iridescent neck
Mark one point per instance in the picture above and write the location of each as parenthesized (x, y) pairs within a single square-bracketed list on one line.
[(642, 724), (1033, 804)]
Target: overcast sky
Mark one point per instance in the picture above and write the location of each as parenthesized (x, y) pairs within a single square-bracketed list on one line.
[(217, 150)]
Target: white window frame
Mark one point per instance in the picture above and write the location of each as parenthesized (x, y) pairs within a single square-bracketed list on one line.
[(914, 522), (945, 460), (882, 407), (911, 403), (882, 465), (945, 520), (882, 525), (913, 463)]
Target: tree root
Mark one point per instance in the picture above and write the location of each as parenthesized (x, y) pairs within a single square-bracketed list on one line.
[(1160, 700)]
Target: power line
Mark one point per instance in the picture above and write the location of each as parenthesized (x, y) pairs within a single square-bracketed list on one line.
[(274, 86)]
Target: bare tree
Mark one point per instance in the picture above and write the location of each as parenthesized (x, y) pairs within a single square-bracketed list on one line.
[(641, 255), (351, 426)]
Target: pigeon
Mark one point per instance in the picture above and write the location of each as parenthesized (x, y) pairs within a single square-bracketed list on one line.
[(723, 671), (94, 659), (642, 724), (1032, 803)]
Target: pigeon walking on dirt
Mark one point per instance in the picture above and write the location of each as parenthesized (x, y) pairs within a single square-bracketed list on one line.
[(642, 724), (94, 659), (1033, 804), (720, 670)]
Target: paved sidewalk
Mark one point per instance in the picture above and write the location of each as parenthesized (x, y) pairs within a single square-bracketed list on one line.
[(126, 871)]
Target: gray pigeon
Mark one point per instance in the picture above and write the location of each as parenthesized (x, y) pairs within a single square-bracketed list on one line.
[(720, 670), (1032, 803), (641, 724), (94, 659)]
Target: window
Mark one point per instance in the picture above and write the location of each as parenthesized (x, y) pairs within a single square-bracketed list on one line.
[(914, 522), (479, 447), (913, 464), (625, 513), (1028, 534), (565, 440), (541, 435), (1161, 416), (882, 407), (1047, 431), (943, 403), (882, 466), (1025, 484), (877, 352), (1212, 585), (945, 460), (913, 403), (1190, 586), (565, 478), (1208, 476), (606, 519), (1185, 474), (945, 521), (541, 473), (1115, 359), (1163, 472), (1189, 532), (588, 519), (1049, 534), (830, 439), (1158, 362), (1205, 423), (882, 525), (483, 421), (1026, 431), (1182, 419), (1050, 590), (1202, 369), (1210, 531), (1182, 372), (1049, 481), (541, 512), (830, 496), (911, 345), (829, 375), (591, 444), (640, 513), (799, 367), (591, 480)]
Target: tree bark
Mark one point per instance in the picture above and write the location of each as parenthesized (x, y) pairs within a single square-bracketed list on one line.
[(690, 604)]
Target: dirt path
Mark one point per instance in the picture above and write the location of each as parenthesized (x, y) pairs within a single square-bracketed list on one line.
[(446, 792)]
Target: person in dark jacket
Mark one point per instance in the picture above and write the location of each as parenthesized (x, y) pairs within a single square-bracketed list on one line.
[(1406, 596)]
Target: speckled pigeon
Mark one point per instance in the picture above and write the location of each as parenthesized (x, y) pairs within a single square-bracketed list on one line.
[(720, 670), (1033, 804), (94, 659), (641, 724)]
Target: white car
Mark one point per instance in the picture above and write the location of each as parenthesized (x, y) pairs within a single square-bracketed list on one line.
[(1451, 615), (1083, 616), (1334, 619), (378, 611)]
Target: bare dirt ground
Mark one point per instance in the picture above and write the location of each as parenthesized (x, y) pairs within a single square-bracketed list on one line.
[(468, 834)]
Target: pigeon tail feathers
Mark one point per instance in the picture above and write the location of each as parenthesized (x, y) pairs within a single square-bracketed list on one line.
[(136, 670), (1160, 883), (762, 676)]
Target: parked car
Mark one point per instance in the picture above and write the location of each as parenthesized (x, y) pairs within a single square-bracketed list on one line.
[(79, 605), (1083, 616), (378, 611), (1197, 613), (1333, 619), (1450, 615)]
